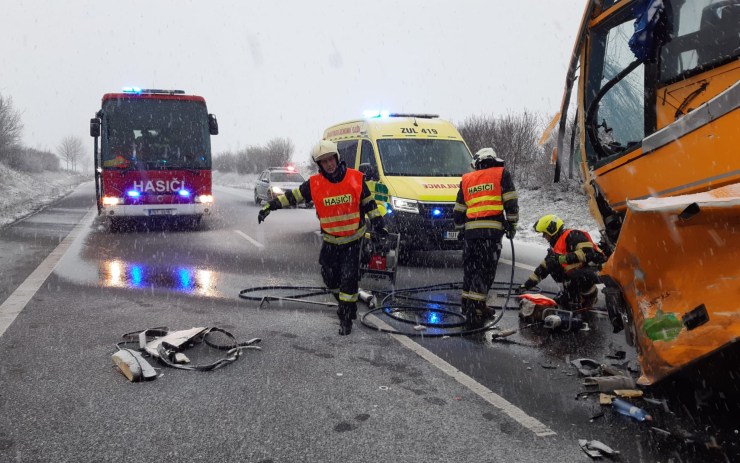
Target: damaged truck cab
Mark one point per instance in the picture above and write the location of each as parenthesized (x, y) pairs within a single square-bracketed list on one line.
[(656, 120)]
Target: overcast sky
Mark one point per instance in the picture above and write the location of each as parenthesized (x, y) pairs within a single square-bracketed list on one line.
[(284, 68)]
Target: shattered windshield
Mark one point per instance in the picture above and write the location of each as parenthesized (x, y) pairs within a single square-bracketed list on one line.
[(424, 157), (618, 119), (155, 134)]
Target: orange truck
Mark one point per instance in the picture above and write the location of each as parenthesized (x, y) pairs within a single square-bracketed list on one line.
[(657, 141)]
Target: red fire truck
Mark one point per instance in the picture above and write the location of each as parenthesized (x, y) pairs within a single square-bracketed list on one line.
[(154, 156)]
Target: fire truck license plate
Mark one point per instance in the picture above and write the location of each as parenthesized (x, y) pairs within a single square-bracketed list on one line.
[(450, 235), (161, 211)]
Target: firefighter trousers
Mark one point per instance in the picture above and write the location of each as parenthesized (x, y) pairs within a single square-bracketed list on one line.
[(480, 259), (340, 270)]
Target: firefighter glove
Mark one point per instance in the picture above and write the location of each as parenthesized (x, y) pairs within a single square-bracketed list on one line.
[(511, 231), (381, 232), (522, 289), (461, 235), (264, 212)]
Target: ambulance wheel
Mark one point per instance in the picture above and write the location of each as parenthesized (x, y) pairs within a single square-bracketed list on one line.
[(257, 199)]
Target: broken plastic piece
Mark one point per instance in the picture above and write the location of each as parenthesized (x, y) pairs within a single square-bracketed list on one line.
[(608, 383), (628, 393), (181, 358), (133, 366), (587, 367), (627, 409)]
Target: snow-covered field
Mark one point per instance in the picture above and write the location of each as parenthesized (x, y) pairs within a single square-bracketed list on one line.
[(25, 193)]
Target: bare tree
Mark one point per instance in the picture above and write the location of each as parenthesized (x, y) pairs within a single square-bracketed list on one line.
[(279, 151), (11, 127), (515, 138), (70, 150)]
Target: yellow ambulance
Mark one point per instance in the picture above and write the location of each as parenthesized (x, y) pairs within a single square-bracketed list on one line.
[(413, 162)]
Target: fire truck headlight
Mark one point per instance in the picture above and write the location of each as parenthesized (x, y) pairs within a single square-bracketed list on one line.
[(112, 201), (205, 199)]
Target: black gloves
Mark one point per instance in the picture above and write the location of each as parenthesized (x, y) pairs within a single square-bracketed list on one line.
[(264, 212), (381, 232), (522, 289), (510, 230), (461, 235)]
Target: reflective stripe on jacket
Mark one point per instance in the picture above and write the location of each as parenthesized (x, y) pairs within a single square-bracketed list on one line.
[(338, 204), (482, 193)]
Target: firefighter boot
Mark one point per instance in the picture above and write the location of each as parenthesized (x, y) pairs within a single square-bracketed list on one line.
[(478, 314), (346, 313)]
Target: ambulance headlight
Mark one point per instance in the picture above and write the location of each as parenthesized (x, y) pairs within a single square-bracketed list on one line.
[(405, 205), (112, 201), (205, 199)]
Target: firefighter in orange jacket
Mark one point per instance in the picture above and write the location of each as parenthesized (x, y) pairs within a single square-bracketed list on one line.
[(342, 200), (568, 262), (485, 210)]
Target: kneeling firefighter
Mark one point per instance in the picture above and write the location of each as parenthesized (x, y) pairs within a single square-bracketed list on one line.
[(572, 260), (342, 200), (485, 209)]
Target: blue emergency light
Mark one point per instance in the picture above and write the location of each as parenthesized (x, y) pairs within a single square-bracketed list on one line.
[(370, 113), (436, 212), (136, 90), (183, 192), (133, 193)]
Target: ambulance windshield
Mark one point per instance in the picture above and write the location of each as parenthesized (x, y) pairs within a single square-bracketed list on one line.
[(424, 157)]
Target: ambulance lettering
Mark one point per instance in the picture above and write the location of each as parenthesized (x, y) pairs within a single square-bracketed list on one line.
[(337, 200), (439, 185), (159, 186), (479, 188)]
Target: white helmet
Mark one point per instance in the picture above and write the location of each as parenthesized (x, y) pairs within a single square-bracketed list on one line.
[(323, 150), (485, 156)]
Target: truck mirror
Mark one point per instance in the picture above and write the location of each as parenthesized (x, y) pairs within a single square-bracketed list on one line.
[(212, 124), (369, 171), (95, 127)]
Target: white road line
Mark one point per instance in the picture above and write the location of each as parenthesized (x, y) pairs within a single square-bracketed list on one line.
[(17, 301), (524, 266), (249, 238), (516, 413)]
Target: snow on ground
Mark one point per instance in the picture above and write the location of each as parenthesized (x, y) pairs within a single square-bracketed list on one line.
[(24, 193), (570, 205)]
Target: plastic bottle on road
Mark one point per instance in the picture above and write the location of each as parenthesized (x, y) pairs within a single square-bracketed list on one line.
[(627, 409)]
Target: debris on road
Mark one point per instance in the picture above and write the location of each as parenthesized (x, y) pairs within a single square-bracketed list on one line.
[(596, 449)]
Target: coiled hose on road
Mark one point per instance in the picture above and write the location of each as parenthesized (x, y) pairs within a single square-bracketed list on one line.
[(394, 310)]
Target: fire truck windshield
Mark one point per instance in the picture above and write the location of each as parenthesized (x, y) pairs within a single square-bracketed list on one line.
[(147, 134)]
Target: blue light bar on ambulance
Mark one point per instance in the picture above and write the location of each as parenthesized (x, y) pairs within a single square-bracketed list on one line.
[(370, 113), (133, 193)]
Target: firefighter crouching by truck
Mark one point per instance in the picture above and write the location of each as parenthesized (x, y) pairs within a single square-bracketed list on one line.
[(569, 262), (342, 200), (486, 208)]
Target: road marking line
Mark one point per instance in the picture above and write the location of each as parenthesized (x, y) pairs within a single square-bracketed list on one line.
[(17, 301), (249, 238), (524, 266), (516, 413)]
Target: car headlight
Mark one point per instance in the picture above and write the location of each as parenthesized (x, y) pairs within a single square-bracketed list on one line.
[(277, 190), (405, 205)]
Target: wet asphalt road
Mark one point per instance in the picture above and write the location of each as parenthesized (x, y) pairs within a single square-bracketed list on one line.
[(108, 284)]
